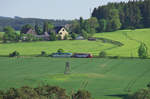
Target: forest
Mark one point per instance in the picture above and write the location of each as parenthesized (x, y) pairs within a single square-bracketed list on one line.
[(124, 15)]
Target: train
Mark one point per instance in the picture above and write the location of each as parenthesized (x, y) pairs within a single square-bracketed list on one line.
[(66, 55), (75, 55)]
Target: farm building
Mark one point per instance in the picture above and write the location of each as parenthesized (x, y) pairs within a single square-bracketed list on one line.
[(59, 31), (31, 31), (45, 36)]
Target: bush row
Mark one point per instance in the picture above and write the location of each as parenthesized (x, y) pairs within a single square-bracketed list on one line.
[(44, 92)]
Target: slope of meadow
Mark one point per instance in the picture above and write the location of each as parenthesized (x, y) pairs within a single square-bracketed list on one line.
[(106, 78), (35, 48), (131, 40)]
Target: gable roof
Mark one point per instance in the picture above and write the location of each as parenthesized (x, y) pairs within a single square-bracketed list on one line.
[(58, 28), (31, 31)]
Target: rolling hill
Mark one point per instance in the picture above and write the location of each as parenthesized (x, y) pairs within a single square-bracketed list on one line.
[(130, 39), (18, 22), (106, 78)]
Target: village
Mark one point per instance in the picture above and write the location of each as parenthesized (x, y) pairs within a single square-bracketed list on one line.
[(61, 33)]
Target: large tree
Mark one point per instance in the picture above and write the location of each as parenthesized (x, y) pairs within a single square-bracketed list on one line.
[(132, 15), (26, 27), (91, 25), (48, 27), (75, 27), (114, 20), (93, 22), (10, 35), (146, 13), (38, 29), (102, 25)]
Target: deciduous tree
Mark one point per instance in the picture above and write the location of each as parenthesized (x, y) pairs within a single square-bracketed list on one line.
[(143, 51)]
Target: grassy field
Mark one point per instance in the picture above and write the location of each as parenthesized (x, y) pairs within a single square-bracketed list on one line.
[(35, 48), (105, 77), (130, 38)]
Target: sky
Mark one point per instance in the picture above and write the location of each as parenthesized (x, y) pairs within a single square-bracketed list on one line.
[(50, 9)]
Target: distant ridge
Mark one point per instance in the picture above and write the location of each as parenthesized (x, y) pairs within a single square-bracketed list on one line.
[(4, 17), (17, 22)]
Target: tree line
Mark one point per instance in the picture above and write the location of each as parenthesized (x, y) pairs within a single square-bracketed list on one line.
[(114, 16), (124, 15)]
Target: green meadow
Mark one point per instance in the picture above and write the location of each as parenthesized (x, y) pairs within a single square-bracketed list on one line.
[(130, 38), (35, 48), (105, 78)]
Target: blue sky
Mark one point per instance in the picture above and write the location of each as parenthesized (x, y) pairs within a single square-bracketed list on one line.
[(50, 9)]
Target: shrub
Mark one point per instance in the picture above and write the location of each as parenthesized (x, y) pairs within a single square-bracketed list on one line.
[(14, 54), (84, 34), (53, 36), (102, 54), (60, 50), (43, 53), (44, 92), (82, 94), (116, 57), (142, 94), (143, 51), (148, 85), (73, 36)]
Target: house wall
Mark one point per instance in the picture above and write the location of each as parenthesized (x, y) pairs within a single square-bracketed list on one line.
[(31, 31), (62, 33)]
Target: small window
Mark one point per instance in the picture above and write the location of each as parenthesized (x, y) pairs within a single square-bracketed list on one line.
[(60, 33)]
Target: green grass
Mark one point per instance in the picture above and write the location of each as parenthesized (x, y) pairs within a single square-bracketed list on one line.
[(35, 48), (131, 40), (104, 76)]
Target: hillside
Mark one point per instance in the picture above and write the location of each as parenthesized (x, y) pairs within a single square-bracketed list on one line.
[(130, 38), (18, 22), (35, 48), (106, 78)]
